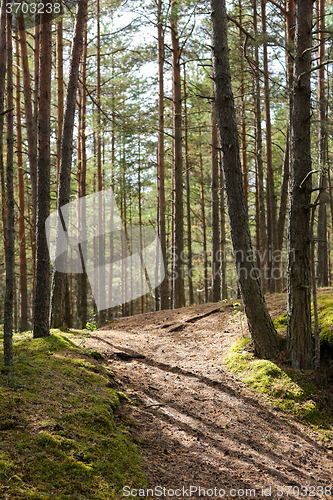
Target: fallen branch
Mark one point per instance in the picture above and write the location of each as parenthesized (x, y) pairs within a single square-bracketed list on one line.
[(181, 326)]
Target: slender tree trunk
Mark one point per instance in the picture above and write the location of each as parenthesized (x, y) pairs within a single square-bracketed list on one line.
[(188, 197), (3, 62), (216, 264), (262, 253), (10, 253), (203, 218), (59, 279), (243, 111), (20, 182), (270, 191), (101, 239), (179, 293), (290, 40), (82, 192), (60, 94), (322, 266), (299, 339), (260, 324), (164, 289), (224, 288), (42, 286), (31, 139)]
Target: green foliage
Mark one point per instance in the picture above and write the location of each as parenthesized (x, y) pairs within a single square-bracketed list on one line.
[(288, 390), (58, 433)]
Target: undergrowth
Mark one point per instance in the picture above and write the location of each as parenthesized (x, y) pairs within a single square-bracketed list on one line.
[(57, 431), (290, 391)]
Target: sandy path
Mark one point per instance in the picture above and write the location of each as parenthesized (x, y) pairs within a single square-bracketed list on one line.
[(197, 425)]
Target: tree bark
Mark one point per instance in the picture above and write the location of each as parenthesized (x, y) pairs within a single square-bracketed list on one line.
[(10, 253), (216, 264), (322, 266), (59, 279), (260, 324), (262, 250), (188, 198), (20, 183), (299, 339), (31, 139), (270, 190), (82, 187), (203, 222), (164, 289), (178, 243), (42, 284), (3, 63), (60, 94)]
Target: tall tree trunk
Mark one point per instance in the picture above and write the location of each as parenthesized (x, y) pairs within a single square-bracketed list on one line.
[(82, 190), (31, 138), (101, 239), (178, 243), (260, 324), (299, 339), (10, 253), (20, 182), (203, 219), (290, 39), (60, 94), (243, 111), (42, 285), (322, 266), (164, 289), (224, 288), (270, 190), (3, 62), (262, 250), (59, 279), (188, 198), (216, 262)]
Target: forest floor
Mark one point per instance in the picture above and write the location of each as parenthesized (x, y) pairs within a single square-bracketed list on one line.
[(197, 425)]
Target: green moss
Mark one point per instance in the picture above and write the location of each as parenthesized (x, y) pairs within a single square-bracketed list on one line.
[(58, 433), (288, 390), (325, 316)]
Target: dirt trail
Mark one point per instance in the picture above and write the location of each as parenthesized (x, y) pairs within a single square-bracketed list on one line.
[(199, 426)]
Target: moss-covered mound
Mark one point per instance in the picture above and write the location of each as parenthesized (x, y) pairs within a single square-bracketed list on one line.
[(58, 438), (325, 315), (291, 391)]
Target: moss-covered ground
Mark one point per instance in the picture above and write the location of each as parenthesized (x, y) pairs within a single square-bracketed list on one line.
[(58, 438), (293, 392)]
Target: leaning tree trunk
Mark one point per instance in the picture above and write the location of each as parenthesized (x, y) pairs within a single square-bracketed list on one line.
[(59, 279), (10, 253), (299, 339), (42, 284), (260, 324)]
